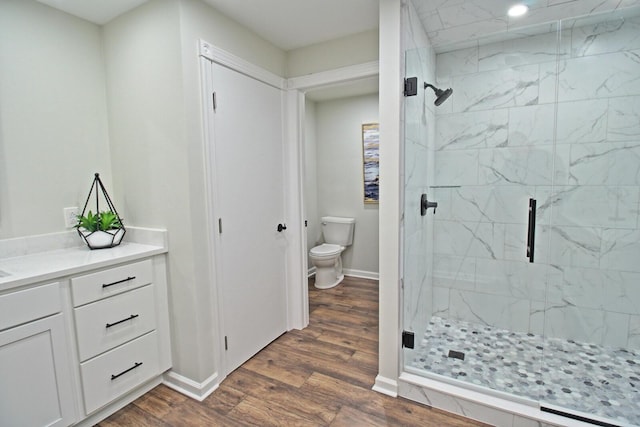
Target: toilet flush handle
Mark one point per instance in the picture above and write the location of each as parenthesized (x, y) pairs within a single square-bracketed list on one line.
[(281, 227)]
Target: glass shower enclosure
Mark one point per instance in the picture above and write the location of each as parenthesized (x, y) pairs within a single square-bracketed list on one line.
[(524, 281)]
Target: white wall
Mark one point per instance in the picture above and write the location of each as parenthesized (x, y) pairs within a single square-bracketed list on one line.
[(53, 118), (339, 174), (200, 21), (390, 119), (57, 130), (150, 158), (350, 50), (156, 131)]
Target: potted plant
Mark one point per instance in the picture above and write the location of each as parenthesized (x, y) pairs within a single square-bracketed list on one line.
[(102, 230)]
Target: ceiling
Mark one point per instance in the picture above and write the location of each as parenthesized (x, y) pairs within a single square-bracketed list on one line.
[(97, 11), (290, 24)]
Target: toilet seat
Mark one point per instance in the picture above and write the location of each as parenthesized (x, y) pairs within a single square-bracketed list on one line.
[(326, 250)]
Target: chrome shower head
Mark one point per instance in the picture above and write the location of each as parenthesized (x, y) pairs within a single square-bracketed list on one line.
[(441, 95)]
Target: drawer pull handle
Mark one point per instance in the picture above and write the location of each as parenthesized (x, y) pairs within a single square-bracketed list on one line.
[(113, 377), (133, 316), (119, 281)]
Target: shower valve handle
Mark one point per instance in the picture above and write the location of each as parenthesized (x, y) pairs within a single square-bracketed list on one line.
[(426, 204)]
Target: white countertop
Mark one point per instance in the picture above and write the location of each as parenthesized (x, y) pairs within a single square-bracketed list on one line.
[(29, 269)]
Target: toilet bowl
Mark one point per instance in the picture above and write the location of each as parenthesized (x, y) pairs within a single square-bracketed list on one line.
[(328, 262), (338, 234)]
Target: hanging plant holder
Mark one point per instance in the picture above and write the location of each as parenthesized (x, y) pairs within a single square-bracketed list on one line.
[(104, 228)]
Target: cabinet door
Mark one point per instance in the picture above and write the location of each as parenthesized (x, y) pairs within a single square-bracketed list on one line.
[(35, 380)]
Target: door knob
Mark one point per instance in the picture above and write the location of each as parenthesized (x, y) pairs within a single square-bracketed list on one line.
[(281, 227)]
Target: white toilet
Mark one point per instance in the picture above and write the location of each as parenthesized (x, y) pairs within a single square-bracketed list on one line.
[(338, 234)]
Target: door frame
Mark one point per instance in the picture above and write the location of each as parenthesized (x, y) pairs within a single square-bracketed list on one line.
[(208, 54), (293, 113), (296, 97)]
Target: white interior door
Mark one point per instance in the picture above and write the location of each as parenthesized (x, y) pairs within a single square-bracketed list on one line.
[(248, 139)]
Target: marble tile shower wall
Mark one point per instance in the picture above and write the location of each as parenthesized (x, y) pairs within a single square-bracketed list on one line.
[(495, 140), (419, 136)]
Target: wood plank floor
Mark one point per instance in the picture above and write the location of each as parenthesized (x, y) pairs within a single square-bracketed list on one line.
[(320, 376)]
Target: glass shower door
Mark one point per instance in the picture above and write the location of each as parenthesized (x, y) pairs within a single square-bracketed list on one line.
[(549, 114), (418, 173), (472, 297), (591, 365)]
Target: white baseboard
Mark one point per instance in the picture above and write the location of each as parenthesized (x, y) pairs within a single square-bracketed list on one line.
[(189, 387), (361, 273), (386, 386), (350, 272)]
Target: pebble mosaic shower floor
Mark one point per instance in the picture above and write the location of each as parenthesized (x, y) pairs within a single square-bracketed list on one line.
[(590, 379)]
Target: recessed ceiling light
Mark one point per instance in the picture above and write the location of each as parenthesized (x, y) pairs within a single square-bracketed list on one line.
[(518, 10)]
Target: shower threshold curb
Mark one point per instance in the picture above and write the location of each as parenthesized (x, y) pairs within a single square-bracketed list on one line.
[(475, 405)]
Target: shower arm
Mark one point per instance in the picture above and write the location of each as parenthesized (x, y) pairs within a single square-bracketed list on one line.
[(441, 95)]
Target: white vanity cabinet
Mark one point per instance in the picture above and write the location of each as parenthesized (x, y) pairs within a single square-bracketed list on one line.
[(82, 333), (35, 374)]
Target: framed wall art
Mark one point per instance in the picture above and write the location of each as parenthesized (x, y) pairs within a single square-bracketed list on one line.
[(371, 162)]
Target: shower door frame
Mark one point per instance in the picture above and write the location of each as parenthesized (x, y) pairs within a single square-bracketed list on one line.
[(452, 395), (553, 220)]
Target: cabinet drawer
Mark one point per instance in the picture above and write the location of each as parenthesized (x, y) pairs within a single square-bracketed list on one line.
[(29, 304), (114, 373), (107, 323), (109, 282)]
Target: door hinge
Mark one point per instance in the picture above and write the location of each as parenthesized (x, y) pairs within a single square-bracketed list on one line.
[(411, 86), (226, 345), (220, 225), (407, 339), (214, 101)]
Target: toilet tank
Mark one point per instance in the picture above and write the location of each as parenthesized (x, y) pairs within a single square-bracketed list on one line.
[(338, 230)]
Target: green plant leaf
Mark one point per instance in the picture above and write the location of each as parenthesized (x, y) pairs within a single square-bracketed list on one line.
[(108, 221), (88, 222)]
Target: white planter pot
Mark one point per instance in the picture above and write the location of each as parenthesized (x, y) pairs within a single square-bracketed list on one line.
[(102, 239)]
